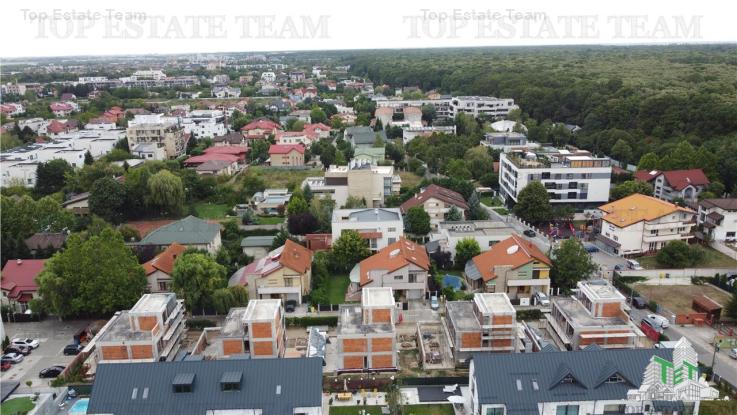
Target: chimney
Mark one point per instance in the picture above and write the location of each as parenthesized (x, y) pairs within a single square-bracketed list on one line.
[(18, 261)]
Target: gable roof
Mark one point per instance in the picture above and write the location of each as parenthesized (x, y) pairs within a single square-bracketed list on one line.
[(393, 257), (19, 276), (435, 192), (498, 376), (638, 207), (203, 158), (291, 255), (646, 175), (363, 135), (164, 261), (188, 231), (271, 385), (43, 240), (286, 148), (504, 253), (680, 179), (724, 204), (261, 124), (232, 138)]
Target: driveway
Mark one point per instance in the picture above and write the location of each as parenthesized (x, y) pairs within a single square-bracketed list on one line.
[(53, 336)]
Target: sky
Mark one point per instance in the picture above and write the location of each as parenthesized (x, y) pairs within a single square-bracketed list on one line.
[(34, 28)]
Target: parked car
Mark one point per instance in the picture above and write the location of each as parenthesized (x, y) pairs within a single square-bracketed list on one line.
[(664, 323), (656, 327), (12, 358), (434, 302), (290, 306), (639, 302), (530, 233), (542, 299), (632, 264), (591, 249), (51, 372), (4, 365), (13, 348), (72, 349), (32, 343), (733, 353)]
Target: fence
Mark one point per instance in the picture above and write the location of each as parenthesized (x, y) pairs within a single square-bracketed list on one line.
[(724, 249), (666, 273)]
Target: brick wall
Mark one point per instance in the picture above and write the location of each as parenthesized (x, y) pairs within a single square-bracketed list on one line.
[(384, 360), (471, 339), (381, 344), (352, 362), (381, 315), (261, 330), (146, 322), (611, 310), (232, 346), (499, 320), (114, 352), (263, 348), (354, 345), (141, 351)]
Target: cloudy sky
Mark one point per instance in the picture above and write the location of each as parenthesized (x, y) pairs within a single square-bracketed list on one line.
[(82, 27)]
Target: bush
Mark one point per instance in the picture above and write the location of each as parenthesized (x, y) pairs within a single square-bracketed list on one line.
[(652, 306), (531, 314), (200, 323), (312, 321)]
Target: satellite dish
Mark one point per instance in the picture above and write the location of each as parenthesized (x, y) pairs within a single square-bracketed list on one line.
[(512, 249)]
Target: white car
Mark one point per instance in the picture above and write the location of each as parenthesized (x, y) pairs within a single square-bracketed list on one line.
[(12, 358), (662, 321), (32, 343), (542, 299), (634, 265), (733, 354), (434, 302)]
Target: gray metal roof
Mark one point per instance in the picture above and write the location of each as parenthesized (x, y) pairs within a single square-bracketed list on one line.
[(257, 241), (271, 385), (497, 376), (363, 135), (188, 231)]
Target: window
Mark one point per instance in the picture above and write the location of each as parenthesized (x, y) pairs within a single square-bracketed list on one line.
[(494, 411), (182, 388), (653, 232), (616, 238), (392, 229), (412, 278), (615, 378), (566, 410), (230, 386), (397, 277), (163, 285)]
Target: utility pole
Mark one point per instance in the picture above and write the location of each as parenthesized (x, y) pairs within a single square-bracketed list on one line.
[(714, 360)]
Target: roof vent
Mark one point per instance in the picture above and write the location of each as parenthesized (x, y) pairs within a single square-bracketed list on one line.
[(145, 393), (18, 261), (394, 253), (512, 249), (278, 389), (134, 394), (519, 385)]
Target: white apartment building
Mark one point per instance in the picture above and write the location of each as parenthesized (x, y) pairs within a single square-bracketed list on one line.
[(155, 75), (572, 177), (718, 219), (359, 179), (269, 77), (205, 123), (638, 224), (380, 226), (449, 107), (158, 130)]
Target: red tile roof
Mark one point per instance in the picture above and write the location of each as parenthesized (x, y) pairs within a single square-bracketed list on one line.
[(437, 192), (645, 175), (195, 160), (318, 126), (680, 179), (261, 124), (56, 127), (164, 261), (234, 150), (393, 257), (286, 148), (19, 276), (502, 254)]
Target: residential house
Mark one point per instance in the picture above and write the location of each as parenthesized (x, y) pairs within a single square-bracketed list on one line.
[(508, 141), (284, 273), (363, 136), (437, 201), (384, 114), (18, 282), (596, 314), (257, 246), (412, 115), (160, 268), (486, 324), (260, 129), (283, 155), (225, 92), (370, 155), (45, 243), (257, 331), (675, 184), (718, 219), (197, 387), (301, 115), (149, 151), (217, 168), (230, 139), (303, 137), (151, 331), (410, 131), (63, 109), (589, 381), (192, 232), (366, 332), (639, 224), (487, 233), (514, 266), (319, 130), (78, 204), (403, 266), (270, 201), (380, 226), (359, 179)]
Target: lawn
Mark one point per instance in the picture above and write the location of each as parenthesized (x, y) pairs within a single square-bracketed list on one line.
[(409, 179), (278, 178), (428, 410), (355, 410), (269, 220), (491, 201), (712, 259), (337, 286), (678, 298), (16, 406), (718, 407), (211, 210)]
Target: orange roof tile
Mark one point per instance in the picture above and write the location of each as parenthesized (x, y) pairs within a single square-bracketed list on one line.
[(393, 257), (296, 257), (164, 261), (637, 207), (502, 254)]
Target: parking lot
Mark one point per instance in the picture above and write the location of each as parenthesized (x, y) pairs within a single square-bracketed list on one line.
[(52, 335)]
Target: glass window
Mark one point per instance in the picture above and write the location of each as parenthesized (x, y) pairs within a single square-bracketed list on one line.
[(494, 411), (567, 410)]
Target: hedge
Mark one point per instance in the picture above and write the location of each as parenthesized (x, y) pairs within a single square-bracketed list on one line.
[(200, 323), (312, 321), (531, 314)]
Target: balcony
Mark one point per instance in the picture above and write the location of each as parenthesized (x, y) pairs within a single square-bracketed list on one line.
[(667, 237)]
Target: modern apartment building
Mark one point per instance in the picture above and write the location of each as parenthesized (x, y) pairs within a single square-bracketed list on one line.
[(639, 224), (380, 226), (486, 324), (257, 331), (167, 135), (596, 314), (205, 123), (151, 331), (366, 332), (403, 266), (449, 107), (359, 179), (718, 219), (572, 177), (508, 141)]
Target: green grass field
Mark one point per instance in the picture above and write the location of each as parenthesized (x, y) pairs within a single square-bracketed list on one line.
[(717, 407), (277, 178), (712, 259), (269, 220), (337, 285), (355, 410), (211, 210), (16, 406), (428, 410), (409, 179)]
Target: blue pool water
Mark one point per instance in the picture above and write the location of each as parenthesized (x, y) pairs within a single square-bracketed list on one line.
[(452, 281), (79, 407)]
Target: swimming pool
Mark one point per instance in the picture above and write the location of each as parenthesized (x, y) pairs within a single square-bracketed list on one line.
[(452, 281), (79, 407)]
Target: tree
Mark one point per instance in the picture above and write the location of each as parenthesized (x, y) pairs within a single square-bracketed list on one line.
[(348, 250), (378, 141), (417, 221), (281, 238), (622, 151), (166, 192), (479, 161), (354, 202), (297, 205), (731, 309), (327, 156), (629, 187), (195, 278), (533, 203), (428, 113), (317, 115), (466, 249), (50, 176), (475, 210), (302, 223), (322, 209), (457, 169), (224, 299), (571, 264), (107, 199), (649, 162), (454, 214), (94, 276), (88, 160), (679, 254), (259, 151)]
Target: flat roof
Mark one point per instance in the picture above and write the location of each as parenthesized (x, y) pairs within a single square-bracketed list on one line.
[(152, 302), (600, 290), (262, 309), (377, 297), (476, 228), (579, 316), (493, 303), (120, 329), (233, 324), (462, 316), (350, 321)]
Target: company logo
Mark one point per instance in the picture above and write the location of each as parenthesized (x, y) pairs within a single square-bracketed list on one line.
[(687, 369)]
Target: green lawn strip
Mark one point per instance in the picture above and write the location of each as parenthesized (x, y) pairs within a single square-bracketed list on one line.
[(337, 286), (17, 406)]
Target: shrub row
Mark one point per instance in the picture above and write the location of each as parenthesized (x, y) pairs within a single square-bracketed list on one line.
[(312, 321)]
